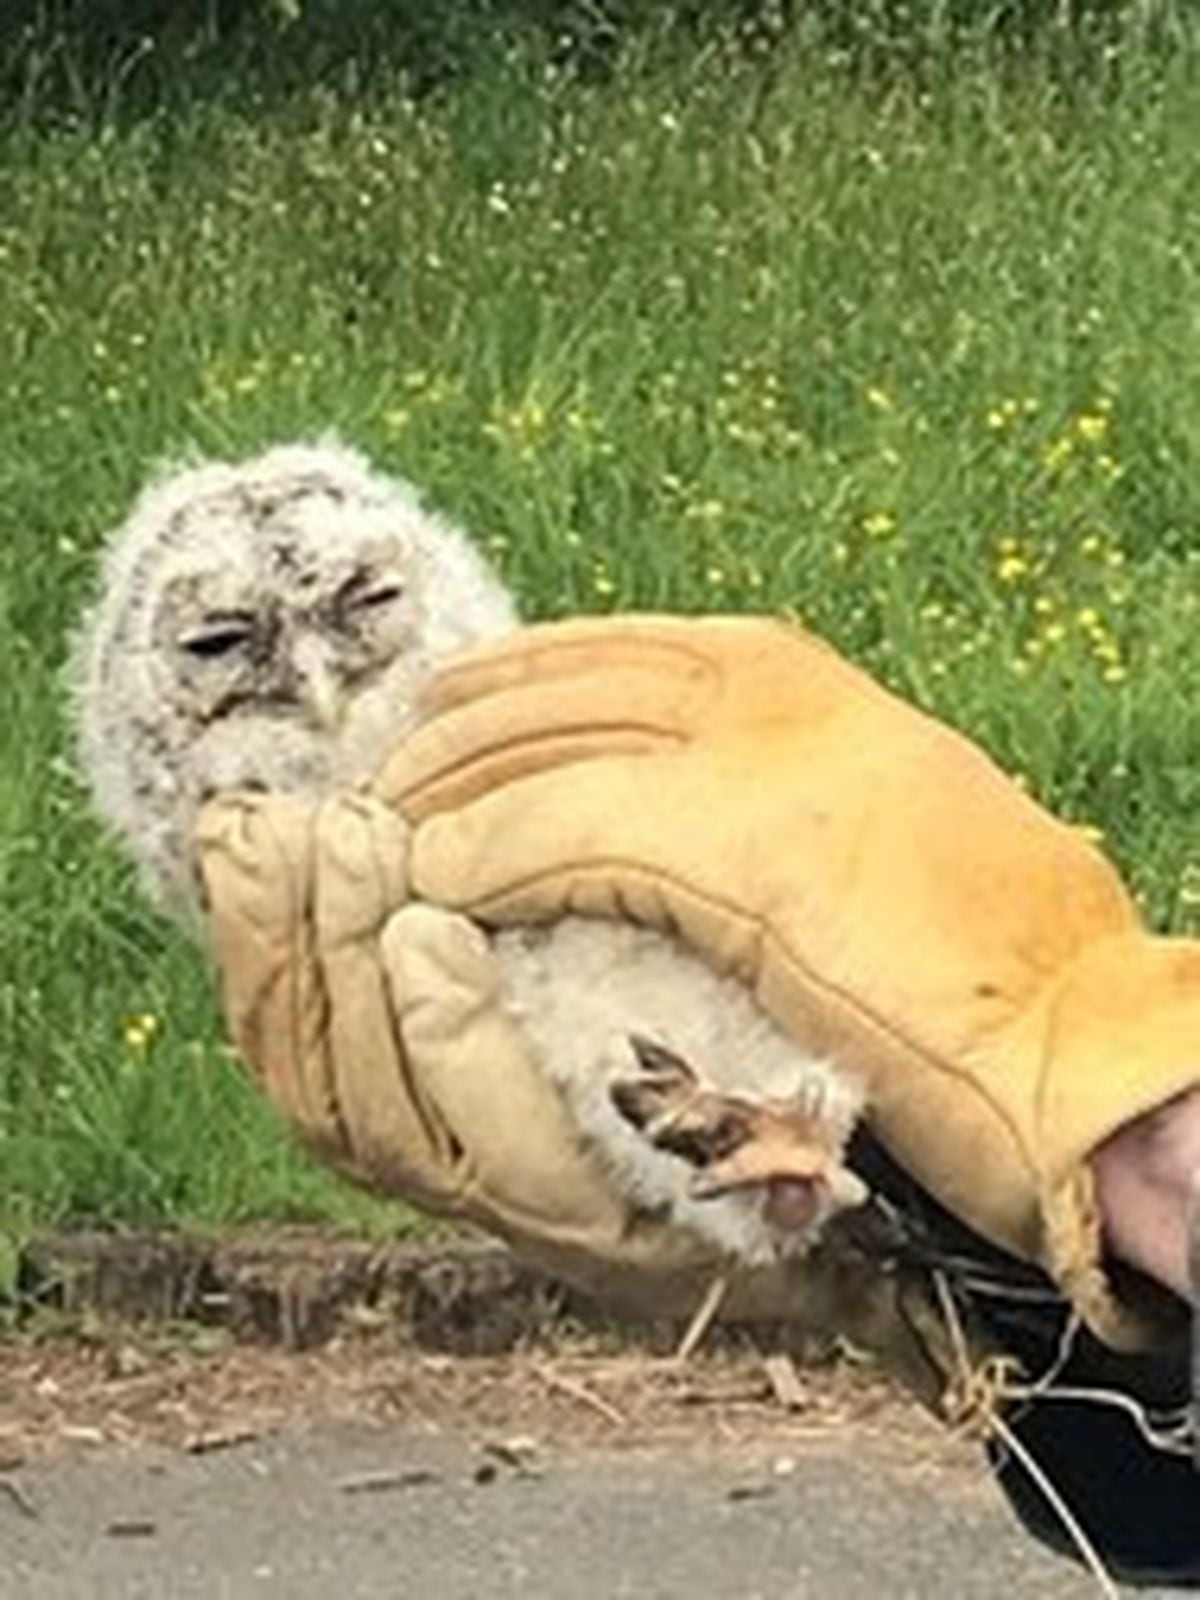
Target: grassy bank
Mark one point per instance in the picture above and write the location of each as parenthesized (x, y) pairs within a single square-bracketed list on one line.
[(910, 349)]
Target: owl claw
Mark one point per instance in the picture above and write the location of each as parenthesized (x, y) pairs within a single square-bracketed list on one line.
[(785, 1148)]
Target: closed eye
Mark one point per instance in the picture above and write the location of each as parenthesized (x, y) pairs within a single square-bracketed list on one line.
[(216, 639), (382, 594)]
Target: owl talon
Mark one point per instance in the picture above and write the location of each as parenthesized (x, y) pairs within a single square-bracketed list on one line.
[(785, 1148)]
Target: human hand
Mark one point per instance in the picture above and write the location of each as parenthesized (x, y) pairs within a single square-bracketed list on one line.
[(377, 1028), (891, 898)]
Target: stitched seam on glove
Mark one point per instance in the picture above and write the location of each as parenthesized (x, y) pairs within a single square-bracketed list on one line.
[(300, 962), (637, 647), (439, 1138), (655, 735)]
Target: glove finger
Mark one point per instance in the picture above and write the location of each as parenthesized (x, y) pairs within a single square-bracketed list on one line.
[(663, 646), (497, 857), (396, 1143), (482, 745), (522, 1163), (254, 858)]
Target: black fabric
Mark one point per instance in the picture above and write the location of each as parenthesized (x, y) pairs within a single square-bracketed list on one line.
[(1138, 1504)]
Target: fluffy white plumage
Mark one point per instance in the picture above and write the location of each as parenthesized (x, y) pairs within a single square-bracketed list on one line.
[(262, 624), (270, 623)]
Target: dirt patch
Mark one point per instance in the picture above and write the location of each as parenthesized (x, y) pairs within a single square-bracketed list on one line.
[(110, 1384), (199, 1344), (297, 1286)]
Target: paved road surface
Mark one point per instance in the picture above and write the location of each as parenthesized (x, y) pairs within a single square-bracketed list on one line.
[(340, 1514)]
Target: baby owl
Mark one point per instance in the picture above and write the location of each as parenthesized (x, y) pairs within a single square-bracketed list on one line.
[(268, 624)]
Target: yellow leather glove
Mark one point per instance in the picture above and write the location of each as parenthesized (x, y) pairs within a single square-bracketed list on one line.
[(891, 897), (376, 1027)]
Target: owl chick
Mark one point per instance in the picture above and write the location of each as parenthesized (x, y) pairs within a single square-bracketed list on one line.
[(269, 624)]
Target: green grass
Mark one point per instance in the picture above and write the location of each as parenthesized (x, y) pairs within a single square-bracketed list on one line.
[(913, 352)]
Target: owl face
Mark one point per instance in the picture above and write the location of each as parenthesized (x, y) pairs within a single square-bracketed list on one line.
[(265, 625), (284, 626)]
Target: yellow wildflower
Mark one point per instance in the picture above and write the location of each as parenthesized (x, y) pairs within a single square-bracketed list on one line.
[(1000, 416), (1011, 568), (705, 511), (1092, 426), (138, 1032)]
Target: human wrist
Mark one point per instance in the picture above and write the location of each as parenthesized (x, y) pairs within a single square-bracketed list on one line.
[(1145, 1174)]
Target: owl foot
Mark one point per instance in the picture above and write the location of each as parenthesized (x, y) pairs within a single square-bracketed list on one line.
[(782, 1147)]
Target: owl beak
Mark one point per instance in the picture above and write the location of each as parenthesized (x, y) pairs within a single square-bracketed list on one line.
[(320, 692)]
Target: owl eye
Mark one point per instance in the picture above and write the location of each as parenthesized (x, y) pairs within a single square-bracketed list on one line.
[(216, 639), (381, 594)]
